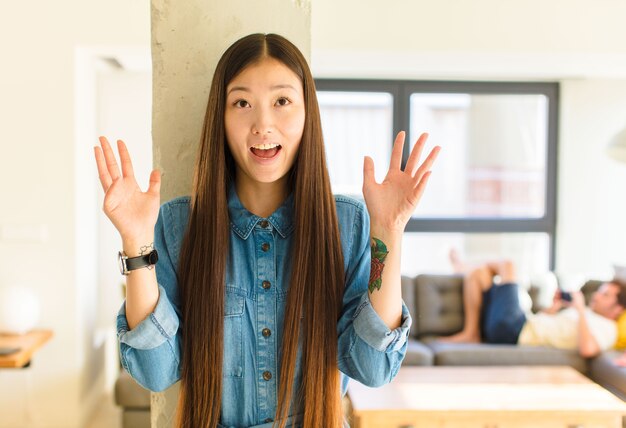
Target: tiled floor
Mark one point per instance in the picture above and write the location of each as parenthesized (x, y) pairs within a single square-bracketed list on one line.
[(108, 415)]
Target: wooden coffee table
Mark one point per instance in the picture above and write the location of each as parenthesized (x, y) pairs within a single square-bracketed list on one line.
[(486, 397)]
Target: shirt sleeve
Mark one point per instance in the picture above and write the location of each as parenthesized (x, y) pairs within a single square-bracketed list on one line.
[(602, 329), (368, 350), (150, 352)]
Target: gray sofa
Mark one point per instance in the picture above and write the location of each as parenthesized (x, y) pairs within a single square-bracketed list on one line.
[(436, 303), (437, 307), (134, 401)]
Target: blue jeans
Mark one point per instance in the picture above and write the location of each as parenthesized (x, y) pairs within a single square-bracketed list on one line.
[(502, 317)]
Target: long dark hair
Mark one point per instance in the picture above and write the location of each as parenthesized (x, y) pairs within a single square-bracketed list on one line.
[(317, 278)]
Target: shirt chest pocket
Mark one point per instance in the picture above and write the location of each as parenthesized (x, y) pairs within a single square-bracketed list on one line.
[(234, 306)]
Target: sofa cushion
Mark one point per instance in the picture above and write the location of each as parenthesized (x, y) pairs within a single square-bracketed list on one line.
[(603, 370), (438, 304), (418, 354), (135, 418), (129, 394), (481, 354), (408, 296)]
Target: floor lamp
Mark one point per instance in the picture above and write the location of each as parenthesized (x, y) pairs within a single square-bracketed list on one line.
[(617, 147)]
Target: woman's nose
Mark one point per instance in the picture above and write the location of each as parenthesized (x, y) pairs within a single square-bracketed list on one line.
[(262, 122)]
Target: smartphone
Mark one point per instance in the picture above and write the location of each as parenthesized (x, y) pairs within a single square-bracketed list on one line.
[(566, 296), (8, 350)]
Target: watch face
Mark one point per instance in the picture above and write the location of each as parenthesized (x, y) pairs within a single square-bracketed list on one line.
[(120, 262)]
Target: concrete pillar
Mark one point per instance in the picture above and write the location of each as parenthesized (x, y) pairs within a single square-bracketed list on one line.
[(187, 40)]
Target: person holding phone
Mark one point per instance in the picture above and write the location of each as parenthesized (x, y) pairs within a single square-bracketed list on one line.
[(493, 313)]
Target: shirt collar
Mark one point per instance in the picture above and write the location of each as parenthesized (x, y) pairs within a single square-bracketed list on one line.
[(243, 221)]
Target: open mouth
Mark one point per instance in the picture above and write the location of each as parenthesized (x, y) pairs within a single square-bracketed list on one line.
[(266, 151)]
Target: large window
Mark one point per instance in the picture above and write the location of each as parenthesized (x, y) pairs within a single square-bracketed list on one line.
[(493, 190)]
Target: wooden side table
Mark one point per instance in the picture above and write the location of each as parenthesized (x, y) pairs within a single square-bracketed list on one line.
[(28, 344)]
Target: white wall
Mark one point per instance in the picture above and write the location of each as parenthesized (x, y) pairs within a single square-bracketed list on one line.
[(481, 39), (43, 149), (592, 200), (479, 25), (578, 43)]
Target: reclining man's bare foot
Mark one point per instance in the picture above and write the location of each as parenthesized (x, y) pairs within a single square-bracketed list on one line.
[(461, 337), (455, 260)]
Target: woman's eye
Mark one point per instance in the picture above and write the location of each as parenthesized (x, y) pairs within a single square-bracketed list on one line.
[(241, 103), (283, 101)]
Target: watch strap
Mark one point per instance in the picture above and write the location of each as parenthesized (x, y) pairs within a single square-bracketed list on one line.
[(149, 259), (138, 262)]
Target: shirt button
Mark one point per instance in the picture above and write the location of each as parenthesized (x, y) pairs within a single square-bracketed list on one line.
[(265, 246), (266, 285), (268, 420), (264, 224), (266, 332), (267, 375)]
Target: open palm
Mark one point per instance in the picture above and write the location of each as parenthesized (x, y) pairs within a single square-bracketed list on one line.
[(392, 202), (132, 212)]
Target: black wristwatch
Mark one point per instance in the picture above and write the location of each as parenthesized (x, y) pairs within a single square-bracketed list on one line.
[(132, 263)]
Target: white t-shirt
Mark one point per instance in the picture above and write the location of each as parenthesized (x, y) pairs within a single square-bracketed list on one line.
[(561, 329)]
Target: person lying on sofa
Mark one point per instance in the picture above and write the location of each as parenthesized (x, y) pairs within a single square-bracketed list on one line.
[(493, 313)]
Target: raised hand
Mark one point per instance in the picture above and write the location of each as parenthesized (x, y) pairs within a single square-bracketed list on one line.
[(132, 212), (392, 202), (578, 300)]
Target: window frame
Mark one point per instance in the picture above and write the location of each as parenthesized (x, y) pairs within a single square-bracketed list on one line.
[(401, 91)]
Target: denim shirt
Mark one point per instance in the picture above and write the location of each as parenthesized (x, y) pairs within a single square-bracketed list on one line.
[(257, 277)]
